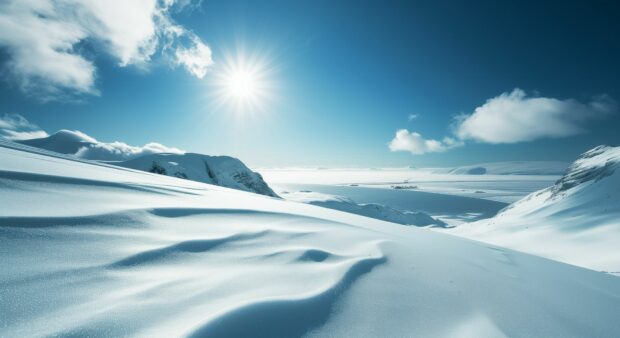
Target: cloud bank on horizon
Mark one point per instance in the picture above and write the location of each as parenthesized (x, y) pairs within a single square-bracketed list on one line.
[(46, 41), (14, 127), (511, 118)]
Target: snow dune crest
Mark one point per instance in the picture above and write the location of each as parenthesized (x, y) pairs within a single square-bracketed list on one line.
[(190, 273)]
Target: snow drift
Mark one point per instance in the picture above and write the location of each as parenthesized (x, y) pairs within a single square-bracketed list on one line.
[(577, 220), (89, 249)]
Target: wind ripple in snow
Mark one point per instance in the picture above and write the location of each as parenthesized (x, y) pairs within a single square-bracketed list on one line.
[(276, 285), (287, 317)]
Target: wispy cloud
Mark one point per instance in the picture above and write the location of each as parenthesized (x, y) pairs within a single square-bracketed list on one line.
[(15, 127), (196, 59), (46, 41), (511, 118), (412, 117)]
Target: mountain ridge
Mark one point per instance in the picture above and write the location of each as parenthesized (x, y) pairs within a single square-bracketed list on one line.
[(224, 171)]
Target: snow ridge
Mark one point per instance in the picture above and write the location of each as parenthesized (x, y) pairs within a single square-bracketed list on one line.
[(219, 170), (577, 220), (224, 171), (63, 141), (593, 165)]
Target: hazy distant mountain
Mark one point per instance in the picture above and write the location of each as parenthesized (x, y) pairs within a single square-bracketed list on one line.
[(508, 168)]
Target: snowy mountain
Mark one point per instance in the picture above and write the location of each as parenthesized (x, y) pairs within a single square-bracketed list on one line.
[(153, 157), (372, 210), (89, 249), (224, 171), (577, 220), (508, 168), (63, 141)]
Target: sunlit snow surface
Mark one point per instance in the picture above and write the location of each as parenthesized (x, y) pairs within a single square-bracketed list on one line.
[(577, 220), (91, 250)]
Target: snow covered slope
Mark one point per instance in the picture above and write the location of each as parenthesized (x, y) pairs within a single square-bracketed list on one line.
[(88, 249), (220, 170), (577, 220), (224, 171), (373, 210), (508, 168)]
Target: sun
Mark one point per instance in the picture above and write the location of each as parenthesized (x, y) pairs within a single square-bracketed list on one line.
[(243, 83)]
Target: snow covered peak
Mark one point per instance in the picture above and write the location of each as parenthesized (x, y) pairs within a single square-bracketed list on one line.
[(590, 185), (224, 171), (63, 141), (593, 165), (154, 157), (72, 136)]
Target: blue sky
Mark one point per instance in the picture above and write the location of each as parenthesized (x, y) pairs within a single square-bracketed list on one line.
[(343, 77)]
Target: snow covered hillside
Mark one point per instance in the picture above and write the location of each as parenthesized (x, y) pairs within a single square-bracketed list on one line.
[(508, 168), (225, 171), (89, 249), (63, 141), (372, 210), (577, 220), (220, 170)]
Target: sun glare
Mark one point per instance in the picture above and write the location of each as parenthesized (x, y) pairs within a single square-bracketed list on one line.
[(243, 84)]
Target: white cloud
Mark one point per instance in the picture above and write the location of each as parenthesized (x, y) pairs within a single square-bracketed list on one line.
[(413, 117), (514, 117), (45, 40), (510, 118), (416, 144), (15, 127), (119, 151), (196, 59)]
